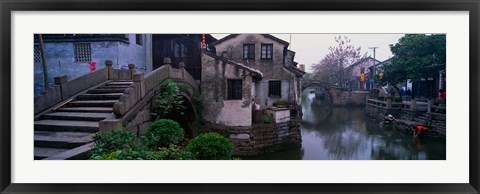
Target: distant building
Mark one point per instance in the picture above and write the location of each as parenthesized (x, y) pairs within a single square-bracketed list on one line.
[(362, 78), (184, 48), (75, 55), (301, 67)]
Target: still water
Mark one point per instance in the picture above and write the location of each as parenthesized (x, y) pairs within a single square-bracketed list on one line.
[(347, 133)]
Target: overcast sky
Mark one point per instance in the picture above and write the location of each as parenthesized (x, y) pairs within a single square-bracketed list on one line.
[(311, 48)]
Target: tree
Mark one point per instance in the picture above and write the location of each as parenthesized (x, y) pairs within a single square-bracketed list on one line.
[(333, 68), (416, 56)]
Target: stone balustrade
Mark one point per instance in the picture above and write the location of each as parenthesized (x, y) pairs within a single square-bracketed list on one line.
[(65, 89), (143, 90)]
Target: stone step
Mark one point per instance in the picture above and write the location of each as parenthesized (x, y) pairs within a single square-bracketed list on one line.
[(104, 91), (119, 83), (65, 140), (78, 153), (41, 153), (66, 126), (106, 96), (86, 109), (92, 103), (77, 116), (113, 87)]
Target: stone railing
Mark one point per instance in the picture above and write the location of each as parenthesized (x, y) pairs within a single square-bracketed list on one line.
[(143, 90), (64, 89), (389, 104)]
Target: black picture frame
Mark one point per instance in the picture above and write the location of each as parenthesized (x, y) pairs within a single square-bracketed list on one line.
[(7, 6)]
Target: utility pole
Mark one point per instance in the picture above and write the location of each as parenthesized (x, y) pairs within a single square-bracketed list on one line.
[(374, 61), (44, 61)]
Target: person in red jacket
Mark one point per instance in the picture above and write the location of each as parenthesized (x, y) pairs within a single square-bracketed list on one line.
[(418, 129)]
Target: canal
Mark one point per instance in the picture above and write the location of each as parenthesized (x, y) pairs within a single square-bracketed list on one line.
[(347, 133)]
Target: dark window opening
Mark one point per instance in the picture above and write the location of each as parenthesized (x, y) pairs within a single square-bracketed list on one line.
[(267, 50), (139, 39), (37, 56), (234, 89), (83, 52), (274, 88), (248, 51)]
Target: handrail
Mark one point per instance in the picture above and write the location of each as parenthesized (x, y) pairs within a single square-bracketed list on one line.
[(65, 89), (149, 84)]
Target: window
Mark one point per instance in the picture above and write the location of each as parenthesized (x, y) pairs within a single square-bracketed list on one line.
[(139, 39), (274, 88), (267, 50), (248, 51), (83, 52), (234, 89), (37, 56)]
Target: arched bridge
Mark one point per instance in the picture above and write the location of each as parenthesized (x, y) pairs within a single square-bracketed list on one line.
[(336, 95), (67, 116)]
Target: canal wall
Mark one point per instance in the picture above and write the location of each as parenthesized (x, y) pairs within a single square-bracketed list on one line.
[(406, 118), (260, 138)]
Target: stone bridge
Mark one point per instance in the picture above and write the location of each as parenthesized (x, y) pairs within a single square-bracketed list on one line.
[(335, 95), (67, 116)]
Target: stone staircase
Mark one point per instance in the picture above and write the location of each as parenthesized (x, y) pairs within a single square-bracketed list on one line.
[(67, 132)]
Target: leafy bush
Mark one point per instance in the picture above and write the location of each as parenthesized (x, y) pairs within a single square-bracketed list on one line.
[(268, 118), (162, 133), (168, 101), (113, 140), (280, 103), (382, 98), (210, 146), (172, 152), (397, 99)]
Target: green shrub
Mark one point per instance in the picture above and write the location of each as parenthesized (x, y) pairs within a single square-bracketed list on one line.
[(280, 102), (172, 152), (397, 99), (210, 146), (268, 118), (111, 141), (382, 98), (162, 133), (168, 101)]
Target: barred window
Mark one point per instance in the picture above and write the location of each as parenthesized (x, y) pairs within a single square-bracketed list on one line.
[(248, 51), (234, 89), (83, 52), (267, 50), (37, 56), (274, 88), (139, 39)]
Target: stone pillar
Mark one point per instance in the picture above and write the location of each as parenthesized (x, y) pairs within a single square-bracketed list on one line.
[(413, 105), (389, 103), (167, 63), (139, 81), (131, 68), (429, 107), (109, 67), (181, 66), (62, 83)]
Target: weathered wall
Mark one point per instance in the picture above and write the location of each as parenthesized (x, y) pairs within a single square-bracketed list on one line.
[(61, 59), (262, 138), (217, 108), (272, 69)]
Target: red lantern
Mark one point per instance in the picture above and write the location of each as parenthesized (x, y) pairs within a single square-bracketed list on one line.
[(93, 66), (204, 45)]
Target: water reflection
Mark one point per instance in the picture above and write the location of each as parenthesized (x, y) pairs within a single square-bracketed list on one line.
[(347, 133)]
